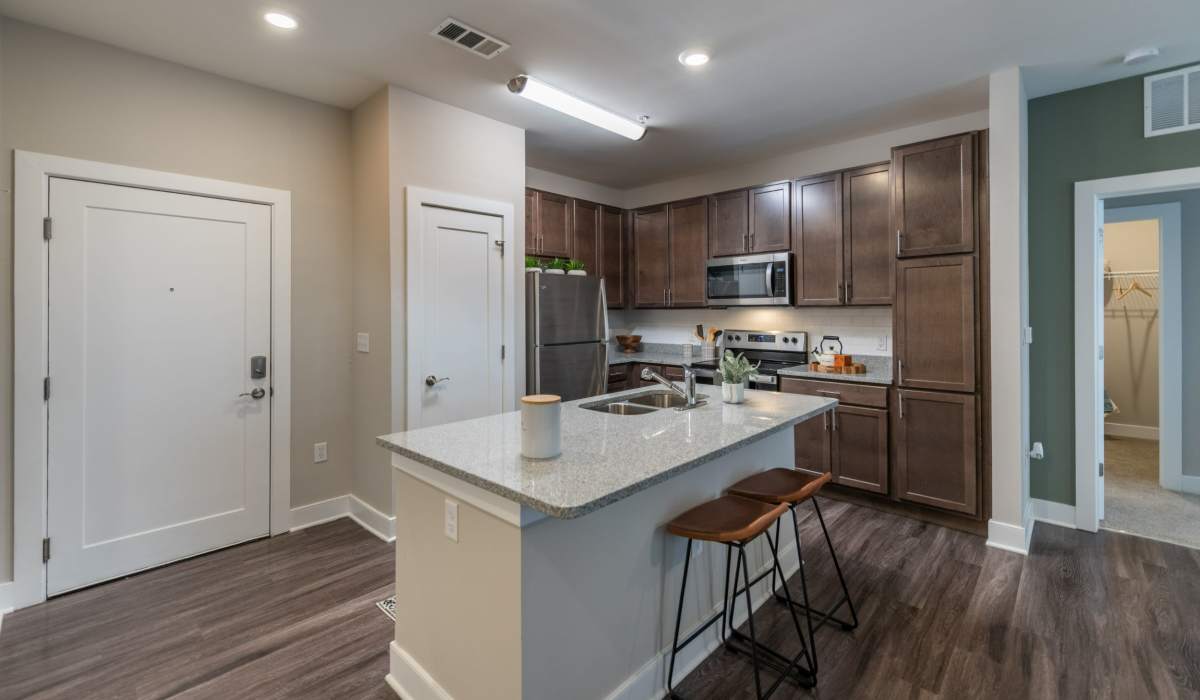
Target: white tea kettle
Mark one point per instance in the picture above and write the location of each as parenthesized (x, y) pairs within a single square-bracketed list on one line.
[(827, 348)]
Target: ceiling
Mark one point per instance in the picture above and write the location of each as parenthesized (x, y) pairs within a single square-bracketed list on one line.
[(785, 74)]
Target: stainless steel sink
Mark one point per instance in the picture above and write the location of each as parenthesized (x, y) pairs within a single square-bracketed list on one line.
[(662, 399), (621, 408)]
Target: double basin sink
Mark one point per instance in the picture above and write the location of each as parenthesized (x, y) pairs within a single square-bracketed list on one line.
[(645, 402)]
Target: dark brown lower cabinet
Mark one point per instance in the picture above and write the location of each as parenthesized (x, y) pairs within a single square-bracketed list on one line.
[(936, 446), (618, 377), (860, 448), (813, 454)]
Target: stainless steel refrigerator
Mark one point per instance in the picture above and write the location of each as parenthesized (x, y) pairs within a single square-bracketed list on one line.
[(566, 335)]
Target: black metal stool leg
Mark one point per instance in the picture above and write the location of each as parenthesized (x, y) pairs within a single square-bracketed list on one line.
[(687, 560), (750, 620), (725, 617), (781, 577), (812, 638), (838, 568), (810, 670)]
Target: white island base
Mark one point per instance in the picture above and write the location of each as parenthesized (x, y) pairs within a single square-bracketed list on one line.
[(528, 606)]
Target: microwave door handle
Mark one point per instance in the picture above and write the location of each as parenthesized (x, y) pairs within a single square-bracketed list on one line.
[(770, 280)]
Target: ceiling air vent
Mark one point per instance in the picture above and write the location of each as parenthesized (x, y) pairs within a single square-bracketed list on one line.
[(470, 39), (1172, 101)]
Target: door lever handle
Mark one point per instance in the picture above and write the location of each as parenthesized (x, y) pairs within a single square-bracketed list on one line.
[(256, 394), (434, 381)]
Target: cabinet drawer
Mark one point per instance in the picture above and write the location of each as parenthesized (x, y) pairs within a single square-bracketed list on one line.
[(618, 374), (673, 373), (844, 392)]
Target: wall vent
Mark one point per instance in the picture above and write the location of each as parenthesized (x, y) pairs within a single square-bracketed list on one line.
[(1172, 101), (469, 39)]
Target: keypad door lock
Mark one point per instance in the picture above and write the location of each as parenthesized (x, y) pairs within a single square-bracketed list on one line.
[(258, 367)]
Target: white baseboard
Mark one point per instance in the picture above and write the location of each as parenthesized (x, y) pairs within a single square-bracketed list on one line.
[(381, 525), (1013, 538), (1128, 430), (347, 506), (409, 680), (1189, 484), (1053, 513), (650, 680)]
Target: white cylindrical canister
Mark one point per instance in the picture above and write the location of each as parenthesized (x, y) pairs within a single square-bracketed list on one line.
[(541, 426)]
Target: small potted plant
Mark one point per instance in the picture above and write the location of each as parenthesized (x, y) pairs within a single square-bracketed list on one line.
[(575, 267), (735, 370), (557, 266), (531, 264)]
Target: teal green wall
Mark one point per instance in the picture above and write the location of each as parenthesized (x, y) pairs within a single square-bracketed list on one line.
[(1083, 134)]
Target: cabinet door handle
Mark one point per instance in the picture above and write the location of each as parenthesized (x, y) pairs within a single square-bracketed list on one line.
[(840, 297), (901, 395), (834, 412), (849, 291), (664, 296), (898, 234), (825, 417), (829, 393), (900, 371)]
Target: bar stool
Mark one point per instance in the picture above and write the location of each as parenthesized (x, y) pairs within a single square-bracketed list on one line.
[(790, 488), (735, 521)]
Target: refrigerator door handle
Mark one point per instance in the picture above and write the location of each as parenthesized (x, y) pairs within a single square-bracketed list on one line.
[(604, 312)]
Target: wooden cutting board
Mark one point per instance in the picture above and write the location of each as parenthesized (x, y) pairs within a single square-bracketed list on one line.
[(856, 368)]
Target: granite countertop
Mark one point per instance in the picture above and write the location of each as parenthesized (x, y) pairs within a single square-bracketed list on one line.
[(605, 457), (879, 371)]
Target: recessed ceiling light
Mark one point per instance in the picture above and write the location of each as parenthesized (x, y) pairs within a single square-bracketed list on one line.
[(693, 58), (278, 19), (1143, 54), (548, 96)]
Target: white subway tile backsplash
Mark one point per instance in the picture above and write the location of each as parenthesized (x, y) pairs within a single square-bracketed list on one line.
[(860, 328)]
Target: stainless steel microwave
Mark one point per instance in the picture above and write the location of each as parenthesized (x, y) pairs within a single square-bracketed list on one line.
[(749, 280)]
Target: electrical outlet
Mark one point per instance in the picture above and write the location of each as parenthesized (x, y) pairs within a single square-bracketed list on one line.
[(451, 520), (320, 452), (362, 342), (882, 345)]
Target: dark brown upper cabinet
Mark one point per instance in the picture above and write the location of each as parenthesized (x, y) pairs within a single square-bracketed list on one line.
[(869, 258), (688, 226), (554, 230), (612, 255), (531, 242), (770, 218), (651, 255), (935, 323), (935, 449), (729, 223), (585, 235), (817, 243), (933, 197)]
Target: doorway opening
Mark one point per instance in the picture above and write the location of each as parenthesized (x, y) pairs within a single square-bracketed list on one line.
[(1143, 401), (1136, 307)]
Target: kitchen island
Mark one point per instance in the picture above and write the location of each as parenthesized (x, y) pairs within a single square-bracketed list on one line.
[(519, 578)]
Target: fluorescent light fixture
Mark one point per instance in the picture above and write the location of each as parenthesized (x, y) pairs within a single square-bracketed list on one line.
[(1139, 55), (693, 58), (548, 96), (278, 19)]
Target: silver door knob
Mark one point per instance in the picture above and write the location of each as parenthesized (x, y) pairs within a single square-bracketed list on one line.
[(434, 381), (256, 394)]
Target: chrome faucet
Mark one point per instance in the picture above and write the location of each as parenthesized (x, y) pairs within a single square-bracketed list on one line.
[(687, 393)]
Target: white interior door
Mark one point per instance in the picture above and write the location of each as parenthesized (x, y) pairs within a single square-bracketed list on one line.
[(156, 448), (456, 323)]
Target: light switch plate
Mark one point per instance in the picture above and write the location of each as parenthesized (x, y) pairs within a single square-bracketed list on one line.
[(451, 520), (362, 342), (320, 452)]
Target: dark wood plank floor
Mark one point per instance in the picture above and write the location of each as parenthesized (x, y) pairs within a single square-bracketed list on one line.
[(289, 617), (943, 616)]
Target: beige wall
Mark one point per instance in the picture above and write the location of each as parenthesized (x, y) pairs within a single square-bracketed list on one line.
[(1131, 330), (371, 372), (574, 187), (73, 97), (432, 145)]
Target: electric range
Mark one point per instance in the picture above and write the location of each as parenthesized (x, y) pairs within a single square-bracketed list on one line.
[(772, 350)]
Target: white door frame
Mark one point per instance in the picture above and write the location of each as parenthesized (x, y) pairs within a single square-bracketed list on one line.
[(30, 321), (1089, 323), (1170, 332), (407, 270)]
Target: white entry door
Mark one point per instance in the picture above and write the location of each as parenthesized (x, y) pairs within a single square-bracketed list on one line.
[(455, 326), (158, 435)]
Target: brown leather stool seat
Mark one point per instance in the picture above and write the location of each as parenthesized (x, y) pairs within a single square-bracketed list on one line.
[(789, 488), (780, 485), (727, 519), (735, 521)]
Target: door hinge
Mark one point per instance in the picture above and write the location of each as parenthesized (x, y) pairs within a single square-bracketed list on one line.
[(45, 388), (1102, 469), (500, 245), (45, 549), (501, 352), (47, 225)]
